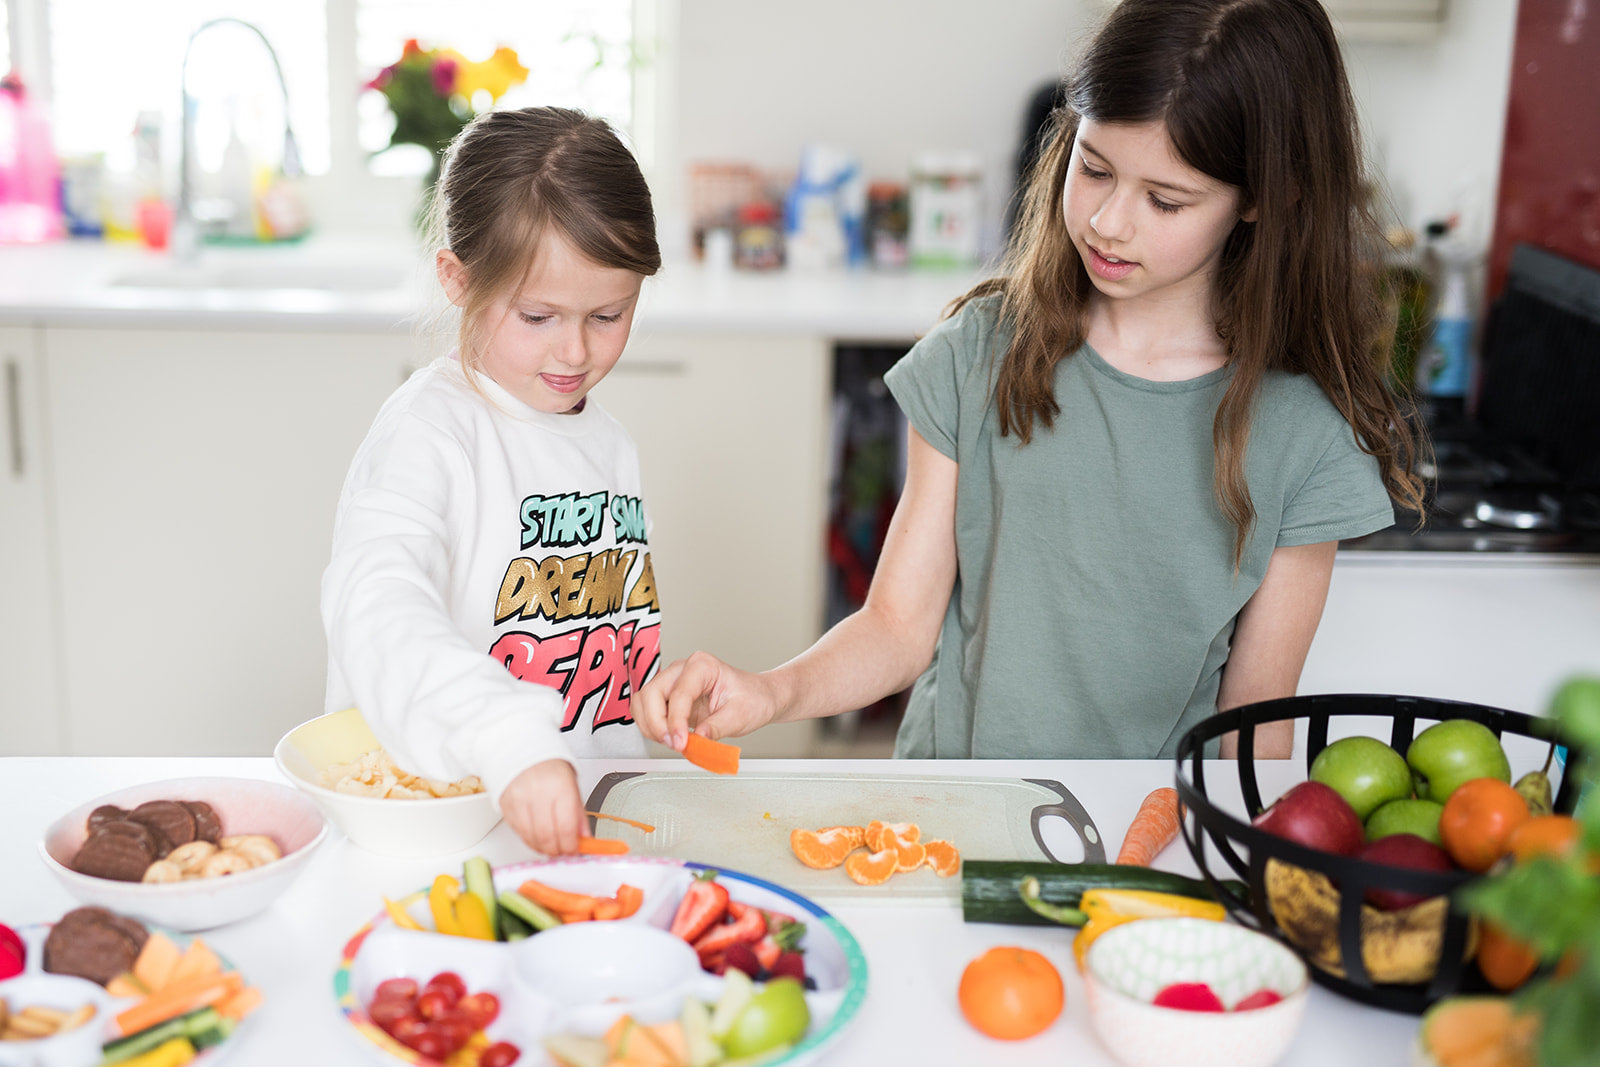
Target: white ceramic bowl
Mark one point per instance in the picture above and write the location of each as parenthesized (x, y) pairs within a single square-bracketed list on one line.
[(73, 1048), (1127, 965), (432, 827), (245, 806)]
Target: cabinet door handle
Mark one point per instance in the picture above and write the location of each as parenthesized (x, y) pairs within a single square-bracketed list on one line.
[(14, 416)]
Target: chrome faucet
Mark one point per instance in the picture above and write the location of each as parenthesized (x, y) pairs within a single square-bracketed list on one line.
[(185, 235)]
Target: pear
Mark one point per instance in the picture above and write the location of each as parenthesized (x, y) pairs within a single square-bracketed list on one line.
[(1534, 787)]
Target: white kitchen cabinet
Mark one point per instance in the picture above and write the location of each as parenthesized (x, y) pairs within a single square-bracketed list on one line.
[(29, 698), (195, 475), (733, 434)]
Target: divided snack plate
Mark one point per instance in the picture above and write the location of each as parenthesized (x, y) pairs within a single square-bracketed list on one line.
[(80, 1047), (530, 1011)]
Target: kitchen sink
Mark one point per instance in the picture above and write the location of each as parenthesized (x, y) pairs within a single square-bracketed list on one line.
[(241, 276)]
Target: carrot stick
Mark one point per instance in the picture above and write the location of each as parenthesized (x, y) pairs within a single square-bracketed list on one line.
[(177, 999), (646, 827), (1154, 827), (557, 900), (710, 755), (608, 908), (630, 897), (601, 846)]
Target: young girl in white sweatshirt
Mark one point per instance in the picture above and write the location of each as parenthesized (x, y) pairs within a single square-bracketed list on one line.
[(490, 605)]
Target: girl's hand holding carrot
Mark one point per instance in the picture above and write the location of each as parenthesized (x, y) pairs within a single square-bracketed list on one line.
[(543, 806)]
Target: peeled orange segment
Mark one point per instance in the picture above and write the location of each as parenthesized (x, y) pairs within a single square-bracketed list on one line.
[(908, 854), (871, 868), (943, 857), (824, 848), (905, 831)]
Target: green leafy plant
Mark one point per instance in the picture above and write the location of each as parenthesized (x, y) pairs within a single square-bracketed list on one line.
[(1553, 904)]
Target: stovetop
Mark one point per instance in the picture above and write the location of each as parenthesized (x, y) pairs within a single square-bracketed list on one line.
[(1485, 498)]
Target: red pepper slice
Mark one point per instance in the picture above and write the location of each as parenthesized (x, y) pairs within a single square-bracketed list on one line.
[(704, 904), (748, 926)]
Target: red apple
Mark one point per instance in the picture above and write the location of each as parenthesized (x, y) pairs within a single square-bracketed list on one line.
[(1403, 850), (1315, 815)]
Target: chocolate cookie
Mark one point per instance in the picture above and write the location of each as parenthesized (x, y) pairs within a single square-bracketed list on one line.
[(120, 849), (103, 814), (207, 824), (93, 943), (170, 818)]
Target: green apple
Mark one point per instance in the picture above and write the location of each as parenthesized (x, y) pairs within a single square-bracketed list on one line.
[(776, 1015), (1455, 751), (1363, 770), (1406, 816)]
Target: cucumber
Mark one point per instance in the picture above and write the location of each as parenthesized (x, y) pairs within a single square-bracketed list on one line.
[(989, 888), (526, 910), (512, 928), (478, 877), (203, 1027)]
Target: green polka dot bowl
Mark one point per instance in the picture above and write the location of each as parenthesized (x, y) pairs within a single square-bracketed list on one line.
[(1128, 965)]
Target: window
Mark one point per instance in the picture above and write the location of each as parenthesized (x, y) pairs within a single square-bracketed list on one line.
[(114, 66)]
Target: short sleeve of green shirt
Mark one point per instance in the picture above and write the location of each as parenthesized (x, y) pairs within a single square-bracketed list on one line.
[(1095, 594)]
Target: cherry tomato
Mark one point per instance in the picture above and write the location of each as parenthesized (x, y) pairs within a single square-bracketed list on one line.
[(386, 1013), (454, 1032), (407, 1029), (396, 989), (449, 981), (431, 1044), (435, 1003), (500, 1054), (480, 1009)]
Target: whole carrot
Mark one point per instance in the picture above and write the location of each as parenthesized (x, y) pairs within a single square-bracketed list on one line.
[(1153, 828)]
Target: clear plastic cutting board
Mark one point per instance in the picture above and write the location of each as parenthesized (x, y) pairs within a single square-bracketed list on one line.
[(743, 821)]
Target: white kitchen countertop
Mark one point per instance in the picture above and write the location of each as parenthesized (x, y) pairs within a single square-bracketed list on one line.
[(915, 952), (370, 284)]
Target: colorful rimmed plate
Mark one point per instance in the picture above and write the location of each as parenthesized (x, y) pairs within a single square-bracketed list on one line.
[(381, 950), (80, 1047)]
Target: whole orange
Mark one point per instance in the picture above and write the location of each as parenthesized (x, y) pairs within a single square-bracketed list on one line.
[(1478, 820), (1011, 993), (1544, 835)]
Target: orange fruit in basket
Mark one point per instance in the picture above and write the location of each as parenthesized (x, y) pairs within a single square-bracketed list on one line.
[(1504, 962), (1011, 993), (943, 857), (871, 868), (1544, 835), (1478, 820), (826, 847)]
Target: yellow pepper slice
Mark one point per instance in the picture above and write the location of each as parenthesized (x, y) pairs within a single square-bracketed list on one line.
[(1108, 908), (472, 917), (442, 902), (400, 916)]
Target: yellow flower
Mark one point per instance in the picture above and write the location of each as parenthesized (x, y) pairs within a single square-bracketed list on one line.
[(494, 75)]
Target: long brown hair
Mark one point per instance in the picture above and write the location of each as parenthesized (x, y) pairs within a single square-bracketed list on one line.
[(510, 175), (1252, 93)]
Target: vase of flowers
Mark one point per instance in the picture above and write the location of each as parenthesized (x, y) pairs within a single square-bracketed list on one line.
[(434, 92)]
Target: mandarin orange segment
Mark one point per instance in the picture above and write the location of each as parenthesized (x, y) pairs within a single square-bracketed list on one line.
[(825, 848), (943, 857), (908, 854), (871, 868), (905, 831)]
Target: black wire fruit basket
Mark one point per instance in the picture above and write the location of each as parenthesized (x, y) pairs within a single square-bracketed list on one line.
[(1403, 960)]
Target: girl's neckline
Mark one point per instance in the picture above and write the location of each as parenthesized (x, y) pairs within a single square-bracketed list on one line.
[(1181, 385), (571, 422)]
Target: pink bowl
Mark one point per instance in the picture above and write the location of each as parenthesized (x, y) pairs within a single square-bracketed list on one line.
[(244, 805)]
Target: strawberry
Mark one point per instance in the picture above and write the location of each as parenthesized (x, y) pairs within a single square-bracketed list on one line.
[(742, 957), (788, 965), (1261, 998), (1189, 996)]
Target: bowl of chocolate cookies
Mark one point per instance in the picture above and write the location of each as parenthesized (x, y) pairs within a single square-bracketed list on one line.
[(187, 853)]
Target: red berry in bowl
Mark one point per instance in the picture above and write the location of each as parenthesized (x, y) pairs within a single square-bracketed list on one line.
[(1189, 996), (1261, 998)]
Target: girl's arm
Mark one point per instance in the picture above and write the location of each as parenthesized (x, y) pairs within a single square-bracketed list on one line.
[(879, 650), (1271, 639)]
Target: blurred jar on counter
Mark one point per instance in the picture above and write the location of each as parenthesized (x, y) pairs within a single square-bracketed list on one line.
[(758, 238), (30, 204), (946, 206), (888, 224)]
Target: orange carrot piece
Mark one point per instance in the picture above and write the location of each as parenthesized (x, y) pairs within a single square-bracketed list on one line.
[(631, 897), (646, 827), (1154, 827), (581, 915), (710, 755), (607, 909), (240, 1004), (560, 901), (179, 998), (601, 846)]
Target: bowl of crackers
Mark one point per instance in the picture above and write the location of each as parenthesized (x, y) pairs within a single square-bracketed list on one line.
[(186, 853), (337, 761)]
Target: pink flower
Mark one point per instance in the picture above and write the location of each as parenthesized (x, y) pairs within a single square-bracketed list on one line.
[(444, 76)]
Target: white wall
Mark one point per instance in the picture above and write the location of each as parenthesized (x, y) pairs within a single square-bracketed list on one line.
[(886, 79)]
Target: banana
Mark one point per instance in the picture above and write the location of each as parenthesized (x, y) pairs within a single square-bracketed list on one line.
[(1396, 946)]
